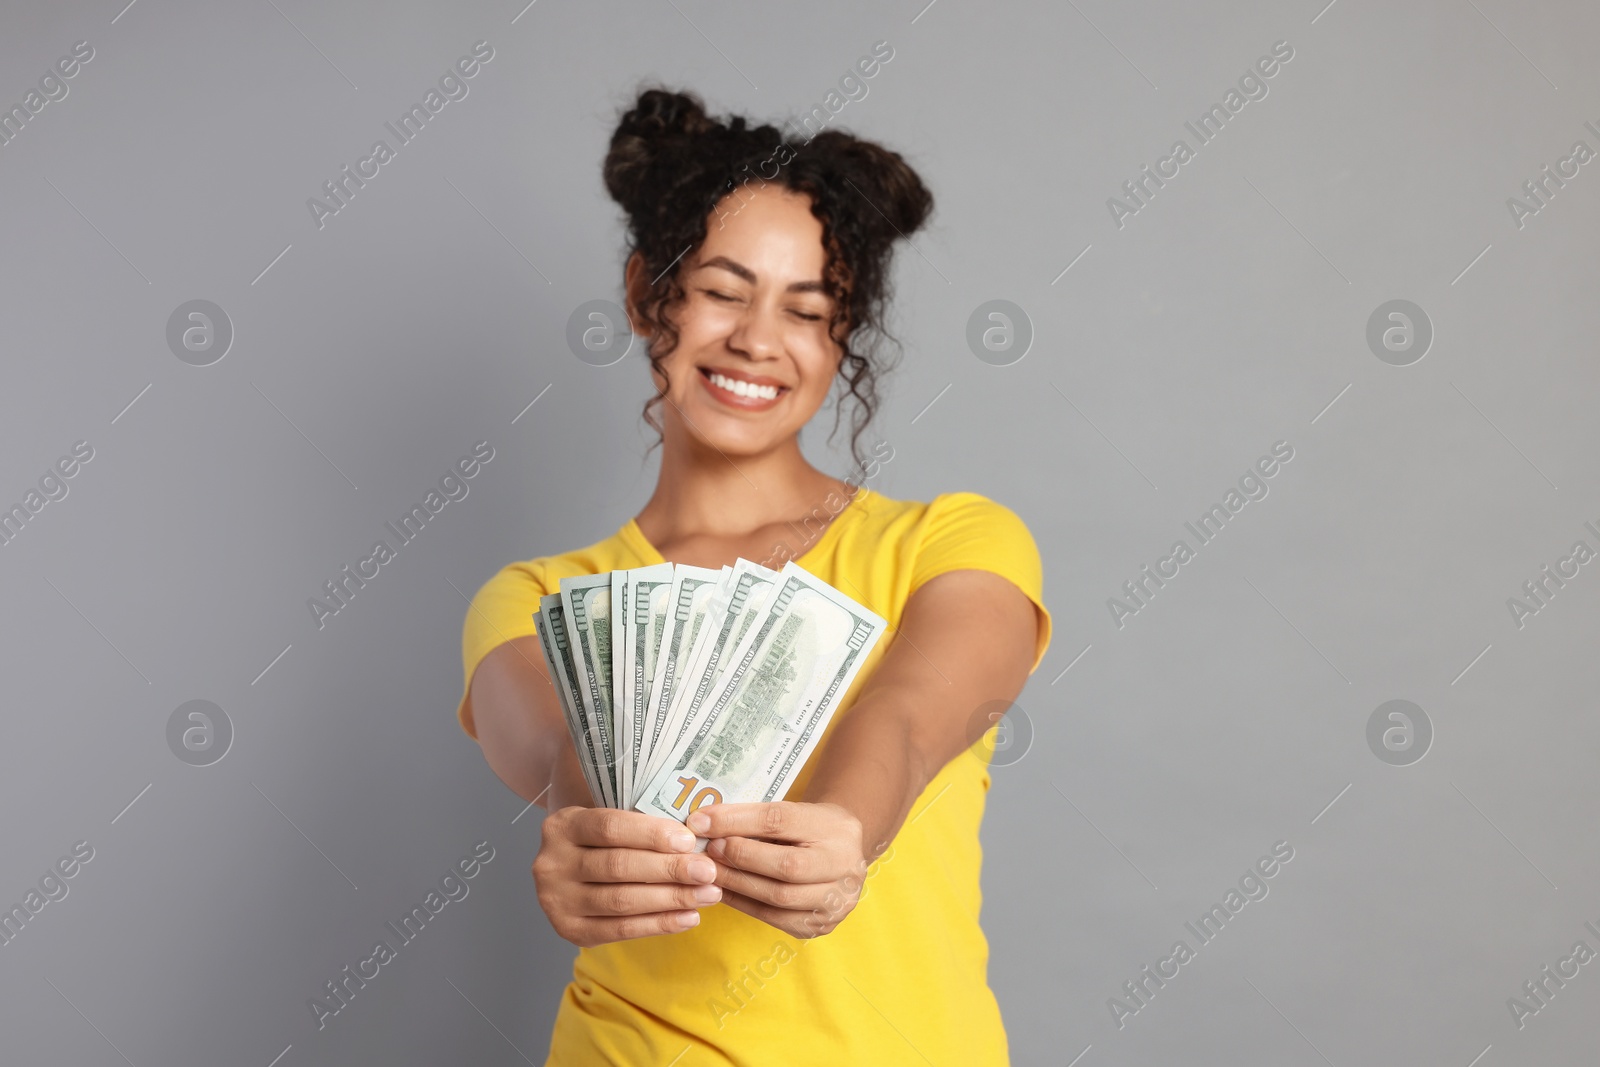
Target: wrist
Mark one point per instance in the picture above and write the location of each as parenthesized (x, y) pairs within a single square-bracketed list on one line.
[(852, 828), (568, 786)]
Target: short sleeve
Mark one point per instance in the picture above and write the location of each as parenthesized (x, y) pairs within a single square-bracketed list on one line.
[(965, 531), (501, 610)]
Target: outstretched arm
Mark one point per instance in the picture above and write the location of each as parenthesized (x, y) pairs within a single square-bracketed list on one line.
[(966, 638), (521, 728)]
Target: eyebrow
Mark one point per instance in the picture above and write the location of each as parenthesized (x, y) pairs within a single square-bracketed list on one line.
[(744, 272)]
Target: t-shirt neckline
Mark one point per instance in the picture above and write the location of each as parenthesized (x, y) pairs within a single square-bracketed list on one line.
[(631, 532)]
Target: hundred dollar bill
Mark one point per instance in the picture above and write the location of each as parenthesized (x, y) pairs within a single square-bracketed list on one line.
[(743, 591), (705, 605), (657, 610), (587, 600), (783, 683), (619, 674), (698, 640), (558, 657), (690, 595), (644, 617)]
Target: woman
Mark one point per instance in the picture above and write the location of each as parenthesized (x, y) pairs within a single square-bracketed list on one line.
[(840, 925)]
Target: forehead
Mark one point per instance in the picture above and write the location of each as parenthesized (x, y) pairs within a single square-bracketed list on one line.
[(768, 229)]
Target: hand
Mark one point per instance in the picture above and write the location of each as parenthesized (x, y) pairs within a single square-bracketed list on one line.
[(793, 865), (608, 875)]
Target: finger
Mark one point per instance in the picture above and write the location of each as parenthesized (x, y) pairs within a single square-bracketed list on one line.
[(785, 895), (801, 924), (780, 820), (601, 931), (616, 828), (643, 865), (612, 899), (786, 863)]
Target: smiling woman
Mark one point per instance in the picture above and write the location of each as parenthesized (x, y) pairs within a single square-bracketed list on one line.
[(751, 318), (838, 204)]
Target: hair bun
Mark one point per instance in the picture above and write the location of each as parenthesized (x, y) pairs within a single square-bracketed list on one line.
[(883, 176), (662, 126)]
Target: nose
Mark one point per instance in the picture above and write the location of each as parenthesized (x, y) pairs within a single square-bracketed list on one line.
[(757, 333)]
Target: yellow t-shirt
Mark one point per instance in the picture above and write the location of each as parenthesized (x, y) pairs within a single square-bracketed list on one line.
[(903, 979)]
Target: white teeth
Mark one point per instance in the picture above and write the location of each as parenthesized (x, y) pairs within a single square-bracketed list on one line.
[(743, 388)]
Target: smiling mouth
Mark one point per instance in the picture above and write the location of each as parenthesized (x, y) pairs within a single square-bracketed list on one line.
[(740, 392)]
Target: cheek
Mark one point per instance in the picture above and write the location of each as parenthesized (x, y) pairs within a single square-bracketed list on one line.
[(820, 372), (699, 328), (676, 366), (679, 363)]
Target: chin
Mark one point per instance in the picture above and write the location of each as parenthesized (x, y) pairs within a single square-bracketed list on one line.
[(735, 445)]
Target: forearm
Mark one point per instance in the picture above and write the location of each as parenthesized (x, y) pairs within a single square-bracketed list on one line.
[(913, 718), (875, 767), (546, 773), (568, 786), (523, 733), (523, 759)]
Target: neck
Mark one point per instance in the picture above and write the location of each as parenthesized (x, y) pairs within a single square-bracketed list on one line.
[(702, 491)]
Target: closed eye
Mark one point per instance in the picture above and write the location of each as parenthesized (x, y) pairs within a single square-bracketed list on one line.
[(726, 298)]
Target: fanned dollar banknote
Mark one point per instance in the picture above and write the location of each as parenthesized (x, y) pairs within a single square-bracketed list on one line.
[(729, 615), (587, 603), (688, 603), (781, 686), (558, 657), (638, 637), (684, 686)]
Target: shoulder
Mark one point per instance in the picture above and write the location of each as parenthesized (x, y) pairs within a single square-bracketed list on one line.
[(918, 541), (952, 531), (960, 531), (973, 509), (504, 607), (956, 516), (525, 581), (954, 520)]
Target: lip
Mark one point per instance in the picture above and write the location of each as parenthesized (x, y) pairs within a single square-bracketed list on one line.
[(734, 400)]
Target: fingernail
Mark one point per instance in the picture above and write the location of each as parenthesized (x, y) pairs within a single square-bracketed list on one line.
[(688, 919), (702, 869), (699, 822), (681, 841), (708, 894), (717, 846)]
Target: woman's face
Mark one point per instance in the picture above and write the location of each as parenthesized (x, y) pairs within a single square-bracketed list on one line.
[(754, 360)]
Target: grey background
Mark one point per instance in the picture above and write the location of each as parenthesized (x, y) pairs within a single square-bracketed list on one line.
[(1230, 313)]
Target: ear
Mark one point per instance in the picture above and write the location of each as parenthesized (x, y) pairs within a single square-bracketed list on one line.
[(637, 287)]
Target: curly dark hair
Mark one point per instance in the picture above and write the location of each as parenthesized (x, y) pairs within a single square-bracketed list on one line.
[(669, 166)]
